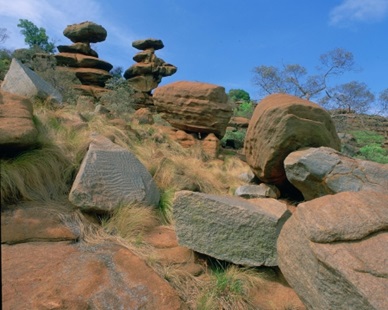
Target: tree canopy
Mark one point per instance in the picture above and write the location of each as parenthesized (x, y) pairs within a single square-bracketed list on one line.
[(294, 79), (239, 95), (35, 37)]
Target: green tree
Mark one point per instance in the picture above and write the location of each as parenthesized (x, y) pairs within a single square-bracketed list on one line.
[(294, 79), (35, 37), (239, 95)]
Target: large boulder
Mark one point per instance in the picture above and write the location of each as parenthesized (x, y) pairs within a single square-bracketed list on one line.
[(150, 43), (81, 61), (333, 251), (17, 129), (280, 125), (60, 275), (22, 81), (321, 171), (85, 32), (229, 228), (110, 176), (194, 106)]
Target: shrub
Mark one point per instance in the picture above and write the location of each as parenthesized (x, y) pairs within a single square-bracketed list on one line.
[(364, 137), (374, 152), (245, 109), (234, 139)]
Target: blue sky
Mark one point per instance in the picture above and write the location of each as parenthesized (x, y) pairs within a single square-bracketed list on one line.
[(220, 42)]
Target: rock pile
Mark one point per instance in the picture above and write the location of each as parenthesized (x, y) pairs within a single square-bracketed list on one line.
[(147, 73), (82, 60)]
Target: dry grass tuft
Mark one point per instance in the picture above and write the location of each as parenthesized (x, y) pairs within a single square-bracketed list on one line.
[(131, 221)]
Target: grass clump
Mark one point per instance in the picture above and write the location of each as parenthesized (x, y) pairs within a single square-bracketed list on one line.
[(229, 288), (165, 206), (370, 146), (130, 221)]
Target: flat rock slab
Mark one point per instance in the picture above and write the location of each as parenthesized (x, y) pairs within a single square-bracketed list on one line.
[(36, 221), (59, 275), (155, 44), (110, 176), (333, 251), (229, 228), (322, 171)]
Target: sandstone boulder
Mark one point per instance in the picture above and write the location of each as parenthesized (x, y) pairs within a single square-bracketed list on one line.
[(194, 106), (86, 32), (81, 61), (321, 171), (280, 125), (17, 129), (22, 81), (109, 176), (229, 228), (59, 275), (333, 251)]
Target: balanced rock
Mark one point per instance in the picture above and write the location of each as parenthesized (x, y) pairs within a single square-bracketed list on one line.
[(17, 129), (229, 228), (147, 73), (333, 251), (194, 106), (322, 171), (22, 81), (83, 61), (110, 176), (86, 32), (146, 44), (282, 124)]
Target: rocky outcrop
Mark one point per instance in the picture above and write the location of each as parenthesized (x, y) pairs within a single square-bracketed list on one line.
[(110, 176), (17, 128), (229, 228), (333, 251), (194, 107), (280, 125), (322, 171), (83, 61), (21, 80)]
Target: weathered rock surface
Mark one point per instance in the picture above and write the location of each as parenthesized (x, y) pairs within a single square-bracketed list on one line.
[(333, 251), (81, 61), (280, 125), (239, 122), (86, 32), (35, 221), (194, 106), (17, 129), (257, 191), (211, 146), (321, 171), (22, 81), (229, 228), (109, 176), (60, 275), (78, 48)]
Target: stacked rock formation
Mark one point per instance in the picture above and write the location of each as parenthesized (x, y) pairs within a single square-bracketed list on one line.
[(81, 59), (147, 73)]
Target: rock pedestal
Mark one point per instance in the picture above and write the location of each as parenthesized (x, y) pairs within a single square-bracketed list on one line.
[(147, 73), (82, 60)]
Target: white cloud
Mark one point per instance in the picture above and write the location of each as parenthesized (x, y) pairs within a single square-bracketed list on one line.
[(351, 11)]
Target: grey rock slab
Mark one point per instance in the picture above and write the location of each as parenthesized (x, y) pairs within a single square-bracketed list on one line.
[(322, 171), (22, 81), (229, 228), (109, 176), (256, 191)]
